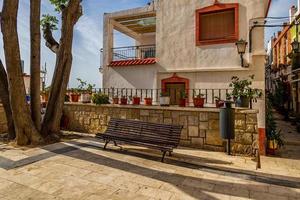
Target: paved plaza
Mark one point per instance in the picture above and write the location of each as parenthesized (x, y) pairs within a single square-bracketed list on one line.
[(81, 169)]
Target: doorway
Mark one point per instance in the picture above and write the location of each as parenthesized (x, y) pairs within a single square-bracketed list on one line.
[(175, 90)]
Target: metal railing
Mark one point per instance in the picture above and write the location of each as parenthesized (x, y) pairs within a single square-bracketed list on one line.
[(134, 52), (210, 95)]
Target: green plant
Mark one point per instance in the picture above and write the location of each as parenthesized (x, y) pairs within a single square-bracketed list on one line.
[(199, 95), (271, 126), (100, 98), (49, 22), (84, 86), (183, 95), (217, 98), (164, 94), (242, 88)]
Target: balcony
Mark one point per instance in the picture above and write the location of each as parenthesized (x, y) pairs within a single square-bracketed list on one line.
[(133, 55)]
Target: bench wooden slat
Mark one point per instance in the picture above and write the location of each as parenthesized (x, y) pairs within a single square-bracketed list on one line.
[(152, 135)]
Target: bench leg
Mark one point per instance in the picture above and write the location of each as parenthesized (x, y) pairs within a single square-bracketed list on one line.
[(170, 153), (115, 143), (106, 142), (163, 156)]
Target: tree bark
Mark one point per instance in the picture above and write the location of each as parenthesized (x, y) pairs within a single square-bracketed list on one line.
[(35, 62), (70, 16), (26, 133), (4, 96)]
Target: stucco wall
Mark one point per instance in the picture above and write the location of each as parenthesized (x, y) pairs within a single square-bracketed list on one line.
[(141, 77), (200, 126)]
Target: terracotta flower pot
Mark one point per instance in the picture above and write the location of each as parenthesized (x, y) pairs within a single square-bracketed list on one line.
[(148, 101), (75, 97), (136, 100), (219, 103), (124, 101), (115, 100), (199, 102), (182, 102)]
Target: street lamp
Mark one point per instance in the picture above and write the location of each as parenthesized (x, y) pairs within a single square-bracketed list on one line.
[(241, 48), (295, 46)]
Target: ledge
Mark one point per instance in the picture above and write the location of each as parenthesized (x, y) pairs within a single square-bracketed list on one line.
[(212, 69), (171, 108)]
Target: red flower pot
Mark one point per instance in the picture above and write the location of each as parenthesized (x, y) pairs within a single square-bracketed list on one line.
[(124, 101), (136, 100), (116, 100), (75, 97), (182, 102), (219, 103), (148, 101), (199, 102)]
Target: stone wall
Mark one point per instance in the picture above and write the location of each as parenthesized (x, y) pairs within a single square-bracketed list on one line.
[(3, 124), (201, 126)]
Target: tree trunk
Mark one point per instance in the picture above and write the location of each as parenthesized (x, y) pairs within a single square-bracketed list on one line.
[(4, 96), (51, 123), (35, 62), (26, 133)]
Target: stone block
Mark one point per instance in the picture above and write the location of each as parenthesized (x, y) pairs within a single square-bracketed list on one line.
[(144, 113), (213, 124), (86, 121), (240, 124), (203, 116), (167, 114), (202, 133), (213, 116), (203, 125), (213, 138), (197, 142), (167, 120), (184, 134), (183, 120), (193, 131), (185, 143), (251, 118), (193, 120), (250, 128)]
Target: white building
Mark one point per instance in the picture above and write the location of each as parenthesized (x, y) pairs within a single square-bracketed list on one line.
[(186, 44)]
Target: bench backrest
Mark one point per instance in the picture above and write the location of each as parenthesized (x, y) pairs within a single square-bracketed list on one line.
[(145, 131)]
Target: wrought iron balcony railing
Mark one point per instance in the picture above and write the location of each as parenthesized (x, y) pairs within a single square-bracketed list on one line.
[(134, 52)]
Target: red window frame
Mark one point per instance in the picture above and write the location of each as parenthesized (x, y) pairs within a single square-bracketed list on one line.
[(214, 9)]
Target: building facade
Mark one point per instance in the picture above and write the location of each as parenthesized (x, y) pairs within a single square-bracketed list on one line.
[(186, 44), (283, 63)]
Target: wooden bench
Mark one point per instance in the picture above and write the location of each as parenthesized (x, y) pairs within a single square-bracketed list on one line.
[(151, 135)]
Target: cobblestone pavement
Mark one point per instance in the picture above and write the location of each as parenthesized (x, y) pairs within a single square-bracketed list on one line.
[(81, 169)]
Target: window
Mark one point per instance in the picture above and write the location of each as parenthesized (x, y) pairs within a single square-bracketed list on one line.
[(217, 24)]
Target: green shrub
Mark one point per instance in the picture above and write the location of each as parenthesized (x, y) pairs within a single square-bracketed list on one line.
[(100, 98)]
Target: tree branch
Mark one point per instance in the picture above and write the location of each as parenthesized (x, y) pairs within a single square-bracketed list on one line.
[(51, 43)]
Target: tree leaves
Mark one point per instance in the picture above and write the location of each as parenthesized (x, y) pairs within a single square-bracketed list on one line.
[(49, 22)]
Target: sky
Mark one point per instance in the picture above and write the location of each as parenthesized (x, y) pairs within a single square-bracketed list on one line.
[(279, 8), (87, 38), (88, 35)]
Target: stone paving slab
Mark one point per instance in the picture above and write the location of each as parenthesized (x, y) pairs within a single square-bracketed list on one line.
[(81, 169)]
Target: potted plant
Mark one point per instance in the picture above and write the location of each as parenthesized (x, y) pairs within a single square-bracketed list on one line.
[(183, 98), (164, 99), (86, 91), (75, 95), (100, 98), (199, 101), (148, 101), (124, 100), (242, 92), (115, 100), (136, 100), (274, 137), (219, 102)]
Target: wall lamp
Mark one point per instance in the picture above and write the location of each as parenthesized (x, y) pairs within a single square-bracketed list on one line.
[(241, 48)]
